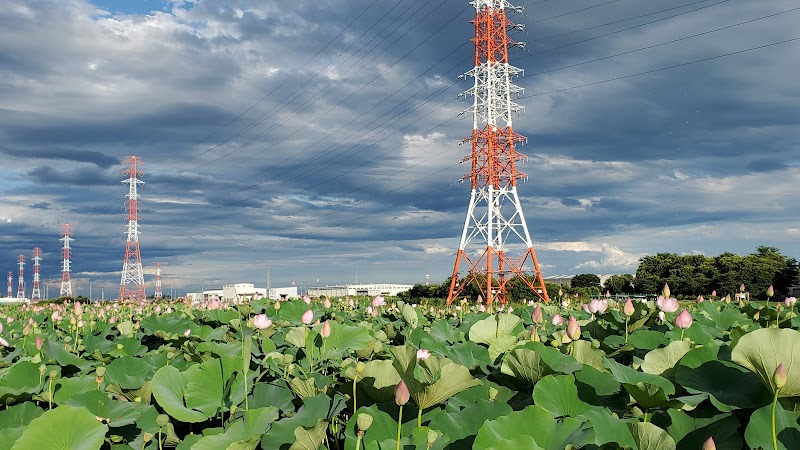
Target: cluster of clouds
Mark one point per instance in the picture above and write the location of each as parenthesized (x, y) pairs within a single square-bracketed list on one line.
[(322, 138)]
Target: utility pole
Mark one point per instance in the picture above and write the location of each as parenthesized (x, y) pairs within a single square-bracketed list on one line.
[(131, 285)]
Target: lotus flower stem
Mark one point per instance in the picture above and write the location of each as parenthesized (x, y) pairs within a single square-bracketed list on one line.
[(400, 425), (355, 405), (627, 319), (774, 432), (419, 417), (645, 415), (682, 330), (159, 439)]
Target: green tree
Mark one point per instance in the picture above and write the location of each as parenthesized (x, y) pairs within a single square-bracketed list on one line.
[(585, 280), (619, 284)]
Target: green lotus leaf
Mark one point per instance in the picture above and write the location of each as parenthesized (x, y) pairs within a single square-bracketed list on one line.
[(275, 394), (558, 395), (534, 360), (763, 350), (219, 316), (758, 433), (188, 441), (343, 339), (648, 339), (21, 378), (647, 389), (293, 311), (310, 438), (19, 415), (207, 388), (716, 377), (594, 386), (442, 331), (8, 436), (608, 428), (722, 316), (437, 380), (501, 345), (281, 434), (691, 432), (128, 372), (118, 413), (297, 336), (489, 329), (650, 437), (169, 386), (166, 326), (253, 424), (63, 428), (584, 353), (661, 361), (379, 380), (521, 441), (464, 423), (546, 432), (383, 427)]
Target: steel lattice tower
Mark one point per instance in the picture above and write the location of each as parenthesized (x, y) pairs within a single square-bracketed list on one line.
[(495, 226), (132, 284), (21, 285), (36, 294), (66, 265), (10, 284), (158, 294)]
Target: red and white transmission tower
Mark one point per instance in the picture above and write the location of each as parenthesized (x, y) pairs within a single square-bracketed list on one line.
[(36, 294), (158, 294), (21, 285), (494, 226), (132, 284), (10, 284), (66, 265)]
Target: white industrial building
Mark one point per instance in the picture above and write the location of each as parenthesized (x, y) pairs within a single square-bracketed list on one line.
[(359, 289), (242, 291), (13, 300)]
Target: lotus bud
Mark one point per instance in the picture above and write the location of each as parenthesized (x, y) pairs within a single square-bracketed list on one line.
[(684, 320), (326, 329), (790, 301), (700, 298), (162, 420), (714, 293), (728, 298), (557, 320), (779, 377), (770, 291), (26, 330), (364, 421), (493, 392), (628, 308), (709, 444), (573, 329), (536, 316), (662, 316), (187, 333), (327, 304), (39, 343), (560, 292), (741, 288), (432, 437), (534, 334), (42, 370), (147, 437), (277, 305), (757, 315), (360, 367), (401, 393), (308, 317), (53, 375), (665, 290)]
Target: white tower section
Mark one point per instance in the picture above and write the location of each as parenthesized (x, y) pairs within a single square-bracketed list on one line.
[(66, 265), (158, 294), (132, 273)]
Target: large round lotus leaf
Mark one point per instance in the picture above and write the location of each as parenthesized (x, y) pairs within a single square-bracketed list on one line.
[(763, 350), (118, 413), (19, 415), (650, 437), (282, 432), (128, 372), (249, 429), (661, 361), (66, 388), (534, 421), (648, 390), (434, 380), (383, 427), (608, 428), (21, 378), (787, 427), (344, 338), (205, 390), (559, 396), (168, 389), (492, 327), (716, 377), (464, 423), (647, 339), (584, 353), (63, 428)]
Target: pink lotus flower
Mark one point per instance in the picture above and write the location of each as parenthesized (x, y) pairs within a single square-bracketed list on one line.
[(39, 343), (261, 321), (308, 317), (326, 329), (536, 316), (368, 310), (668, 305), (351, 303), (378, 301), (714, 293), (596, 306), (628, 308), (557, 320), (662, 316), (700, 298), (187, 332), (510, 309), (480, 298), (423, 354), (3, 342), (374, 312), (307, 299), (709, 444), (790, 301), (401, 393), (573, 329), (684, 320), (327, 303)]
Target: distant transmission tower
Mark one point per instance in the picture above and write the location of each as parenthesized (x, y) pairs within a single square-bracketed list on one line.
[(132, 284), (21, 285), (495, 226), (36, 294), (66, 265), (158, 294), (10, 284)]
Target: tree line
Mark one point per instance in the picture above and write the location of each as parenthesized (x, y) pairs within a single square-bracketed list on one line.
[(687, 276)]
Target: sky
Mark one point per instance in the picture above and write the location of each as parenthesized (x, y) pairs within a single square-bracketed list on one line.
[(319, 139)]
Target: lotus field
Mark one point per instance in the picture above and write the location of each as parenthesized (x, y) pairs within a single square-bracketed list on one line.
[(383, 374)]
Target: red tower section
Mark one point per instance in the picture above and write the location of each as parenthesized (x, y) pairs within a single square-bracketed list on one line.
[(132, 283), (496, 246)]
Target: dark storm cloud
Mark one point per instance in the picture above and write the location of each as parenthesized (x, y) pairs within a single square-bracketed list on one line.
[(99, 159), (77, 177)]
